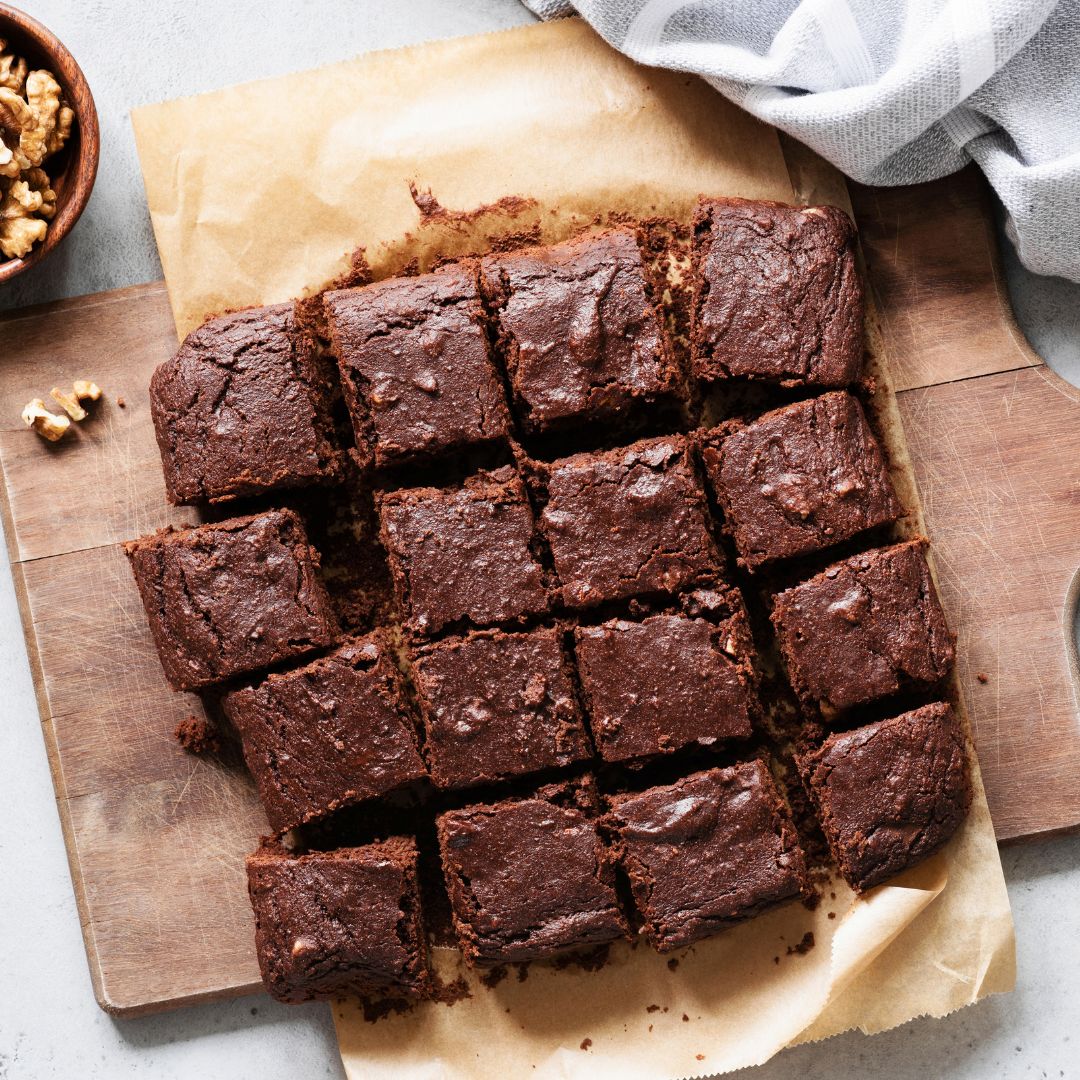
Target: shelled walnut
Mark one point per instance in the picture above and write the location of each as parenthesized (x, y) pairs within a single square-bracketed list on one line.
[(35, 123)]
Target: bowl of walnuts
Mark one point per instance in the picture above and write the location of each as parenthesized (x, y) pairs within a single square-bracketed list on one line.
[(49, 142)]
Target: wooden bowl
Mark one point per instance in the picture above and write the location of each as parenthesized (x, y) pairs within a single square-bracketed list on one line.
[(73, 169)]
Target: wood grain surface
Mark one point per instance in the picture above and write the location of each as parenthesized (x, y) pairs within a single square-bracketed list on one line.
[(156, 838)]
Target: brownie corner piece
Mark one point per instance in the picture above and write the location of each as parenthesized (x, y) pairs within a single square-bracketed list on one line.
[(628, 522), (666, 682), (528, 878), (332, 923), (581, 333), (890, 793), (706, 852), (244, 408), (865, 628), (776, 294), (464, 556), (416, 367), (496, 705), (799, 479), (335, 731), (233, 597)]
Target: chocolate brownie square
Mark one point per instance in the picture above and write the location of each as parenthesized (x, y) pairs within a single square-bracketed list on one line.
[(706, 852), (529, 877), (627, 522), (332, 732), (864, 628), (799, 479), (580, 332), (776, 295), (415, 366), (666, 682), (243, 408), (890, 793), (231, 598), (463, 555), (333, 923), (497, 705)]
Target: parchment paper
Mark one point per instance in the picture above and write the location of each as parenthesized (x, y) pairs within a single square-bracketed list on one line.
[(259, 193)]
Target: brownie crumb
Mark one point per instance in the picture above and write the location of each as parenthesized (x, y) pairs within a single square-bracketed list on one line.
[(522, 971), (811, 901), (803, 946), (685, 1018), (832, 914), (776, 959), (197, 736), (652, 1008), (700, 1057), (585, 959), (495, 976), (432, 210), (983, 677), (449, 993), (673, 963), (121, 403), (586, 1043), (376, 1009)]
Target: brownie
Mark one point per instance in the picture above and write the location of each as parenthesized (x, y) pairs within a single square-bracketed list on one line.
[(529, 877), (666, 682), (415, 366), (799, 479), (864, 628), (463, 555), (776, 295), (580, 332), (332, 923), (890, 793), (243, 408), (497, 705), (627, 522), (231, 598), (706, 852), (335, 731)]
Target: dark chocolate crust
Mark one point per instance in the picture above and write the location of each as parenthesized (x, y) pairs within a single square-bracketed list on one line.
[(628, 522), (864, 628), (527, 878), (890, 793), (333, 923), (656, 686), (415, 366), (580, 333), (776, 294), (463, 555), (243, 408), (333, 732), (706, 852), (231, 598), (497, 705), (799, 479)]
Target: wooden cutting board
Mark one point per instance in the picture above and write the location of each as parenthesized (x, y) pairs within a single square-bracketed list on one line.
[(157, 838)]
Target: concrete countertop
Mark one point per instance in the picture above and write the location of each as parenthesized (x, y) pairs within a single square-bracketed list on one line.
[(50, 1028)]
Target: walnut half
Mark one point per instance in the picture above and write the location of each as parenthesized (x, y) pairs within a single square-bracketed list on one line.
[(48, 425)]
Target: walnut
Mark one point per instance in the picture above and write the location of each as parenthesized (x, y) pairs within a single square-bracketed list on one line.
[(83, 390), (35, 123), (20, 229), (12, 70), (48, 425)]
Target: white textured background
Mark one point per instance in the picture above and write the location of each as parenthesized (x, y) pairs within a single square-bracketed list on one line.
[(137, 51)]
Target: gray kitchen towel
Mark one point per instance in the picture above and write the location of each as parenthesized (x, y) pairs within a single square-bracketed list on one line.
[(893, 91)]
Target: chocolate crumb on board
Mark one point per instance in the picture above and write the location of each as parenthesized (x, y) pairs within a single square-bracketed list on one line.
[(983, 677), (432, 210), (121, 403), (586, 1043), (673, 963), (652, 1008), (449, 993), (832, 914), (804, 946), (685, 1018), (376, 1009), (197, 736), (700, 1057)]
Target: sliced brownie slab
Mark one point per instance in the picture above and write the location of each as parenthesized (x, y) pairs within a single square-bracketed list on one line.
[(706, 852), (335, 731), (333, 923), (864, 628), (243, 408), (776, 294), (890, 793), (227, 599)]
